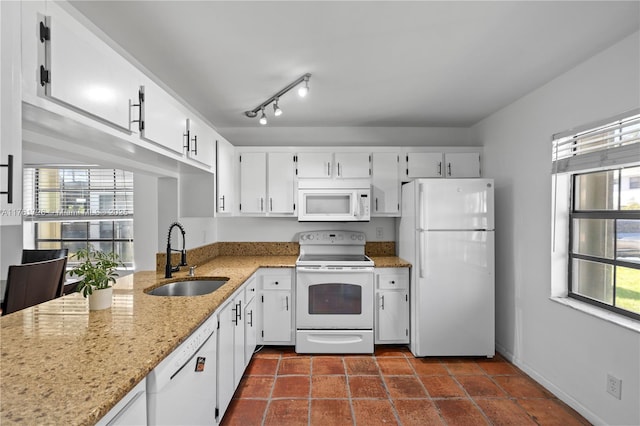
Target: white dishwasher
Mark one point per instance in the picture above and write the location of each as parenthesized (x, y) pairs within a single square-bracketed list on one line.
[(181, 390)]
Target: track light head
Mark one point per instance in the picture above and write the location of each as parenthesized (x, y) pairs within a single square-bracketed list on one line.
[(263, 118), (303, 90), (276, 108)]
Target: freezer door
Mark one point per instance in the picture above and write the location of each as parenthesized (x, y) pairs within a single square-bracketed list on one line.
[(451, 204), (455, 309)]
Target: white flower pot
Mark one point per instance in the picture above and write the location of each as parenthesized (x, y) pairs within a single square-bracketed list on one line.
[(100, 299)]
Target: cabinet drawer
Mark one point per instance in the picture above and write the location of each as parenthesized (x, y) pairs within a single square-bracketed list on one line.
[(250, 288), (394, 279), (276, 282)]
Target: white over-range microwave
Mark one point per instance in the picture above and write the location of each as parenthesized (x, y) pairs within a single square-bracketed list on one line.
[(321, 200)]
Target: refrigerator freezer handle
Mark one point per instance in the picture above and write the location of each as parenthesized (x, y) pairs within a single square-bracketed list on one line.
[(420, 210)]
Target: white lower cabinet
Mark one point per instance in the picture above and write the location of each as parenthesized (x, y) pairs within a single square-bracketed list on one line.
[(276, 307), (131, 410), (392, 305), (231, 354), (251, 320)]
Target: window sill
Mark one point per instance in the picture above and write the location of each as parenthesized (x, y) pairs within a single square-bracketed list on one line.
[(605, 315)]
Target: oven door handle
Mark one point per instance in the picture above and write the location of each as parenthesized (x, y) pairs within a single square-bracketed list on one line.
[(333, 270)]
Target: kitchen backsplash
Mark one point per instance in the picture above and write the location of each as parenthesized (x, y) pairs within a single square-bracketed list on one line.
[(200, 255)]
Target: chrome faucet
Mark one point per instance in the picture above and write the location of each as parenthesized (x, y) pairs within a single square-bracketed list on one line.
[(183, 258)]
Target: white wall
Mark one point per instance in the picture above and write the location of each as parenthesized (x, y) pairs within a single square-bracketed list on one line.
[(567, 350), (287, 229), (348, 136)]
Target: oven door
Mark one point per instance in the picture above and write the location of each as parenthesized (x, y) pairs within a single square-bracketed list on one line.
[(334, 298)]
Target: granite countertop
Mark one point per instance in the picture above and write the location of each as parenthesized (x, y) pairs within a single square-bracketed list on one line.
[(61, 364)]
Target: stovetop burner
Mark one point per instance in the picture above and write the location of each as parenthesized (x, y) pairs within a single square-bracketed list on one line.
[(333, 248)]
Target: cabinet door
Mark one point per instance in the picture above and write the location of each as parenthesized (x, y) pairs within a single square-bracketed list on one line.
[(314, 164), (352, 164), (202, 140), (250, 330), (281, 183), (253, 171), (226, 384), (238, 339), (424, 165), (165, 120), (462, 164), (392, 323), (385, 181), (84, 72), (224, 178), (276, 317)]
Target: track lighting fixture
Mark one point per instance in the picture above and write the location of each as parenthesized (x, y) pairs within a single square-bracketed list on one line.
[(276, 108), (302, 92)]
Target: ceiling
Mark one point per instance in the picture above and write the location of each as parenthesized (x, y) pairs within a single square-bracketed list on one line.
[(373, 64)]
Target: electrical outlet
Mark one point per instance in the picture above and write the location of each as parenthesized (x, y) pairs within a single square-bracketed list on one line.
[(379, 233), (614, 386)]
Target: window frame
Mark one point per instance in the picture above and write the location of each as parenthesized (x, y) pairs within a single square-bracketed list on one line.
[(614, 215)]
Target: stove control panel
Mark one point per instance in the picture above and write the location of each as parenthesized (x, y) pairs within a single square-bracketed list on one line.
[(332, 237)]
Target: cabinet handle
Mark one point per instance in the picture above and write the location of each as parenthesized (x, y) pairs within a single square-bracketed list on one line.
[(393, 282), (440, 168), (222, 199), (286, 298), (376, 203), (235, 314), (195, 144), (276, 283), (140, 120), (382, 299), (9, 191), (187, 137), (449, 169), (239, 311), (338, 169), (250, 318)]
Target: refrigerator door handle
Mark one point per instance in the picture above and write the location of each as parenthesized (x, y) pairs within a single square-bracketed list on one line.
[(421, 254)]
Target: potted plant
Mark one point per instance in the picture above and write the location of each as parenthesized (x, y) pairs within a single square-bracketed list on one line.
[(97, 270)]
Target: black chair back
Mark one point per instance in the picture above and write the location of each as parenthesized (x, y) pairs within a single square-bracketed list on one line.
[(32, 283), (39, 255)]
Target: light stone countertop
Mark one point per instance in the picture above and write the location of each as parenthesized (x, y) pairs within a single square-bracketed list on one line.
[(61, 364)]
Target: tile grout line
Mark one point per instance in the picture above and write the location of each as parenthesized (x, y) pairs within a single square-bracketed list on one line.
[(435, 406), (273, 386)]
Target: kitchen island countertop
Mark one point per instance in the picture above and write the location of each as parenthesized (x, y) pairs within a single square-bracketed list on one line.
[(61, 364)]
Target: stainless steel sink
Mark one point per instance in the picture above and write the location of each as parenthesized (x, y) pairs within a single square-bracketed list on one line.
[(189, 288)]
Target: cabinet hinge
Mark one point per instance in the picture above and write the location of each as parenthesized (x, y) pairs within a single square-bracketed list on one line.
[(262, 298), (218, 327), (44, 75), (240, 207), (406, 297), (240, 158), (369, 172), (45, 32), (407, 171), (398, 158), (262, 333), (406, 331), (294, 207), (216, 413)]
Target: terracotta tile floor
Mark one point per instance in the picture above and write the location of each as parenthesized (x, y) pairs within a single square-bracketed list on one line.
[(391, 387)]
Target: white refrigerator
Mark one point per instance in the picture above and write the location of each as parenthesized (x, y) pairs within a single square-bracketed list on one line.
[(446, 232)]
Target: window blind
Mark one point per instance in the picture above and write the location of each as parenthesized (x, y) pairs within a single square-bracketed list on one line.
[(77, 194), (612, 142)]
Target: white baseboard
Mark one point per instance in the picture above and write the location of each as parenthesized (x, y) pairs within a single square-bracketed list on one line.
[(548, 385)]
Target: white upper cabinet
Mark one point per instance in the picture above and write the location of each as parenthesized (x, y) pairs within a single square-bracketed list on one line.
[(267, 182), (352, 165), (253, 169), (281, 183), (81, 71), (163, 119), (462, 164), (202, 142), (329, 165), (225, 177), (385, 184), (424, 164), (315, 164), (439, 164)]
